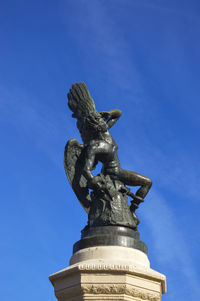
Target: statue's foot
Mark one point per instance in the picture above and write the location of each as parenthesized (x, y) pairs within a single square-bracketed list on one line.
[(135, 203), (136, 218)]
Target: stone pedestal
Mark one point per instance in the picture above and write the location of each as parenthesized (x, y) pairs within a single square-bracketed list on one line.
[(108, 273)]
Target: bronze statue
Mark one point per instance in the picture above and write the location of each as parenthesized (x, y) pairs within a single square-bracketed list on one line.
[(104, 197)]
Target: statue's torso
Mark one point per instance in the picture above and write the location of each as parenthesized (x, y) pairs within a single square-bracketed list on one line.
[(106, 151)]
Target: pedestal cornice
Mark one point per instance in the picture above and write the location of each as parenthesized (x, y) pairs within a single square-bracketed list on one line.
[(109, 279)]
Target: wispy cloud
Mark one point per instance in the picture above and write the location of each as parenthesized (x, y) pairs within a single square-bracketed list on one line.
[(169, 242), (107, 41), (164, 7), (178, 173), (170, 245), (37, 122), (104, 38)]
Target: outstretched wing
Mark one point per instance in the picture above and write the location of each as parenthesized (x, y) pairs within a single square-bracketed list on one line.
[(73, 163)]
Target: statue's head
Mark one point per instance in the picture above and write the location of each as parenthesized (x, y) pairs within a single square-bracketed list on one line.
[(90, 127)]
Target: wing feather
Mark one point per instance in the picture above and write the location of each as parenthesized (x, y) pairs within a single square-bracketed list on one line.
[(73, 163)]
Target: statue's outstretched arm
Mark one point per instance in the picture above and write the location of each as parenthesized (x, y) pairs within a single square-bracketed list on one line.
[(111, 117)]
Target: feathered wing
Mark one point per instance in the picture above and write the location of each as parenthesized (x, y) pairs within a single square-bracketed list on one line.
[(73, 163), (80, 101)]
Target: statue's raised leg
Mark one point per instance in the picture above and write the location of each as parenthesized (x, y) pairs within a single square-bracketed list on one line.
[(132, 178)]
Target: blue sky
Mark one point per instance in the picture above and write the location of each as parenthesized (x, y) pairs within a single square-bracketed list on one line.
[(140, 56)]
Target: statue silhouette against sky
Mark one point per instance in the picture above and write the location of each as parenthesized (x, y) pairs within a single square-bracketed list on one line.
[(104, 196)]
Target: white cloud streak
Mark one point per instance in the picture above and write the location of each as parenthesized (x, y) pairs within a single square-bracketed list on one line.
[(99, 28), (169, 242), (37, 122)]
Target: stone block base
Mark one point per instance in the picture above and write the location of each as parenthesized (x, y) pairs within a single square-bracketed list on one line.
[(109, 273)]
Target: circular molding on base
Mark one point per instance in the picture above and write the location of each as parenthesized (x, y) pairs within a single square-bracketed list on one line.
[(111, 254), (109, 236)]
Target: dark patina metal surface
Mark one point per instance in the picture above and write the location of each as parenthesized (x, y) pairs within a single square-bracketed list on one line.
[(105, 196), (110, 236)]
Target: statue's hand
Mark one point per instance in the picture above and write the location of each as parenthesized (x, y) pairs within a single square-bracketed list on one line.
[(105, 115)]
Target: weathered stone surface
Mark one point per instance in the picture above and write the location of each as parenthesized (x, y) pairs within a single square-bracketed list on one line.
[(102, 273)]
